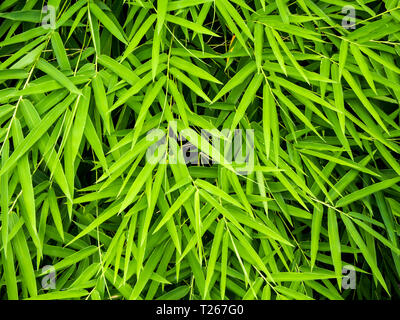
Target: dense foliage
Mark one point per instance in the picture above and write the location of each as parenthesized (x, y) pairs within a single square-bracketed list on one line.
[(85, 214)]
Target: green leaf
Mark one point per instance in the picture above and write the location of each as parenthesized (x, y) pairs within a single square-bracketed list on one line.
[(107, 22), (362, 193)]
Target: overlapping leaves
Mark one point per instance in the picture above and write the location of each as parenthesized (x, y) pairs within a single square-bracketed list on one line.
[(78, 100)]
